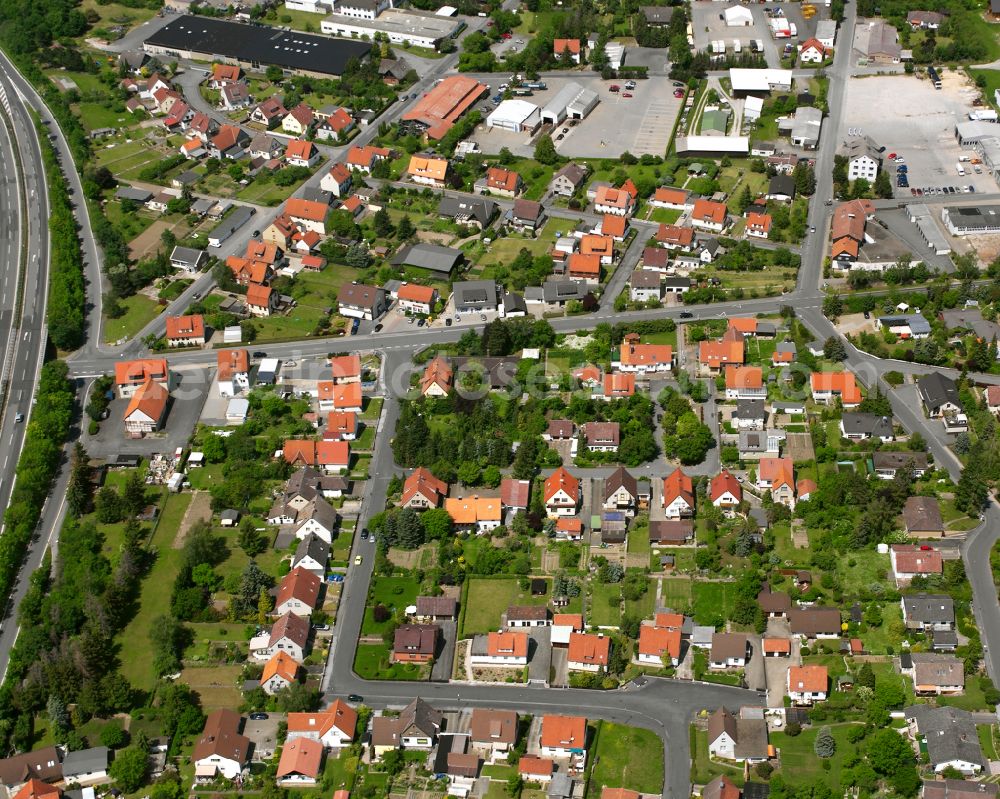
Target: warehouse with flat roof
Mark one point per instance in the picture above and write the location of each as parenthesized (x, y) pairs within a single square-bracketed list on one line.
[(712, 145), (972, 219), (417, 28), (254, 47)]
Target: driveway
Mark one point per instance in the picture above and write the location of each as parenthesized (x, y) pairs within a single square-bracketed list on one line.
[(776, 672), (264, 734), (441, 670), (755, 676)]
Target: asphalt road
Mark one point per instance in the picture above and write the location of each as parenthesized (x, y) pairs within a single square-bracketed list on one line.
[(24, 247)]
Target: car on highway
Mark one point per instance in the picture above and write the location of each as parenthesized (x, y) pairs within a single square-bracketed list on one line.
[(687, 315), (258, 717), (364, 534), (357, 560), (19, 418), (812, 228), (355, 698)]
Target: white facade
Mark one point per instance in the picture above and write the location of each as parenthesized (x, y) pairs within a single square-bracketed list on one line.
[(228, 768), (862, 166)]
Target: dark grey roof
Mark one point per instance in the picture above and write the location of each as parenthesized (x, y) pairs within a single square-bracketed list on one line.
[(397, 67), (316, 195), (936, 389), (556, 291), (677, 282), (186, 178), (482, 210), (433, 257), (131, 193), (957, 789), (527, 210), (870, 424), (944, 638), (750, 409), (929, 608), (514, 303), (657, 15), (574, 173), (258, 43), (620, 478), (230, 514), (644, 279), (232, 223), (922, 514), (85, 761), (477, 292), (187, 255), (950, 733), (897, 460), (421, 715), (782, 184), (786, 346), (314, 547)]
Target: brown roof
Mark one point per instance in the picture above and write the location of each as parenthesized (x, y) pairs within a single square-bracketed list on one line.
[(527, 209), (359, 295), (813, 621), (44, 764), (436, 606), (294, 628), (602, 433), (527, 613), (671, 531), (959, 789), (938, 671), (515, 493), (720, 788), (440, 107), (728, 645), (917, 560), (922, 514), (221, 737), (721, 721), (493, 726), (849, 220), (531, 765), (774, 601), (301, 585), (418, 639)]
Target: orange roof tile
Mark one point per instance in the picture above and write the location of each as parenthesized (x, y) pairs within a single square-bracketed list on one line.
[(297, 208), (613, 225), (424, 166), (646, 354), (719, 353), (588, 648), (300, 150), (587, 265), (709, 211), (724, 483), (132, 372), (564, 732), (619, 384), (281, 665), (150, 399), (507, 644), (678, 485), (744, 377), (470, 510), (657, 640), (301, 756), (777, 471), (841, 383), (184, 327), (413, 292), (807, 679), (561, 480)]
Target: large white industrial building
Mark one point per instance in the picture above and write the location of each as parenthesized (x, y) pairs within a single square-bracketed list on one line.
[(514, 115), (572, 101)]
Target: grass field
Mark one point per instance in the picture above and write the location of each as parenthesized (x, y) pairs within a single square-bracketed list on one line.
[(372, 663), (489, 599), (675, 592), (154, 596), (505, 250), (218, 686), (96, 115), (626, 757), (798, 757), (712, 601), (139, 311), (645, 605), (395, 593), (665, 215), (116, 14), (605, 604)]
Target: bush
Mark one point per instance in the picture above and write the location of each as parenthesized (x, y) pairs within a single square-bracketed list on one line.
[(381, 614), (792, 729), (764, 770)]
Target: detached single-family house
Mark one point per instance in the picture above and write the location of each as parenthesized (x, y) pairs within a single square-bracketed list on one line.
[(334, 727), (562, 493), (742, 739), (221, 751), (729, 651), (677, 495)]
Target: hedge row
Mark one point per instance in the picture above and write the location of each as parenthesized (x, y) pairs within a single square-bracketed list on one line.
[(36, 468), (67, 297)]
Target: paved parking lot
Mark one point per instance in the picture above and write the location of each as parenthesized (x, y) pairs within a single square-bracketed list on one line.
[(708, 28), (922, 129), (639, 124)]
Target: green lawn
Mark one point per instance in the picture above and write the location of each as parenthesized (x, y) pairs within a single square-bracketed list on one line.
[(626, 757), (372, 663), (116, 14), (395, 593), (645, 605), (605, 604), (667, 216), (712, 601), (663, 337), (139, 311), (299, 20), (489, 599), (986, 740), (154, 596), (676, 592), (505, 250), (96, 115), (798, 758)]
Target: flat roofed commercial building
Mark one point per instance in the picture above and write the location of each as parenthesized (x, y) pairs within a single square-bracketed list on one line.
[(713, 145), (572, 100), (969, 220), (254, 46), (419, 28), (441, 107)]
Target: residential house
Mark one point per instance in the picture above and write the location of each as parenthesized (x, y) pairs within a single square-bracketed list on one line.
[(739, 738), (936, 675), (950, 737), (729, 651), (221, 751), (499, 650), (758, 225), (146, 410), (643, 359), (261, 300), (337, 181), (714, 356), (815, 622), (477, 514), (586, 268), (563, 736), (922, 518), (301, 152), (671, 533), (269, 113), (364, 158), (40, 765), (234, 97), (493, 730), (532, 768), (290, 634), (422, 490), (620, 492), (777, 476), (280, 672), (416, 728), (130, 376), (571, 47), (618, 201), (334, 727), (527, 616), (265, 147), (958, 789), (361, 302), (677, 497), (863, 160), (909, 561), (185, 331), (672, 198), (312, 554), (436, 380), (827, 387), (619, 385), (568, 180), (228, 143), (725, 491), (601, 436), (300, 763), (811, 51), (86, 766), (476, 212), (807, 684), (500, 181), (436, 608), (745, 383), (298, 593), (307, 214), (675, 237), (562, 493), (709, 215), (645, 285), (775, 604), (428, 170), (415, 643), (928, 612), (750, 414), (939, 395), (887, 464), (863, 426), (514, 494), (781, 188), (588, 652), (414, 298), (526, 215), (658, 646)]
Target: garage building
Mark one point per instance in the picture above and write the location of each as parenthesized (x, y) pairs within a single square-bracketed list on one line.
[(515, 115), (572, 101), (739, 17), (714, 146), (760, 81)]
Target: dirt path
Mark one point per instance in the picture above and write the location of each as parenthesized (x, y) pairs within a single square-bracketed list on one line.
[(200, 509)]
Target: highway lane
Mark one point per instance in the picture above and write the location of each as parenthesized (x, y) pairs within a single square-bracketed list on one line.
[(24, 241)]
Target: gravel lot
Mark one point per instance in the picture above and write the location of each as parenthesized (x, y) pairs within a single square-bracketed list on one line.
[(708, 28), (922, 127)]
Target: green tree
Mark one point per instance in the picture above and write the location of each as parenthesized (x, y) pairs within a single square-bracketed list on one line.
[(129, 769), (888, 752), (405, 229), (883, 185), (382, 223), (545, 151), (249, 540), (825, 745), (833, 349)]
